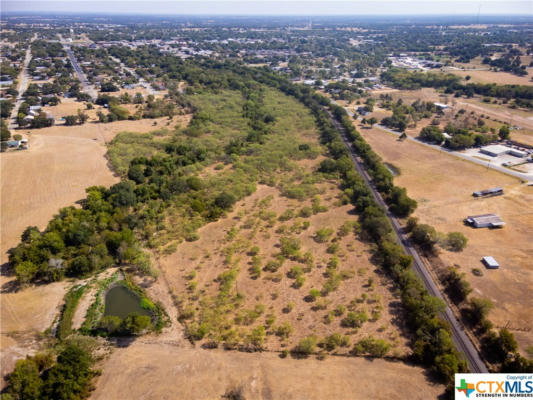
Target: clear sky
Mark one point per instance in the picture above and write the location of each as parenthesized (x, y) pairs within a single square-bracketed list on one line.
[(277, 7)]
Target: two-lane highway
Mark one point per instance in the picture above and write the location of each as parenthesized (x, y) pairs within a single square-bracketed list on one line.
[(461, 340)]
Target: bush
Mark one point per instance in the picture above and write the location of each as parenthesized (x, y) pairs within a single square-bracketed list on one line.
[(136, 324), (354, 320), (372, 347), (225, 200), (284, 330), (455, 241), (323, 235), (336, 340), (110, 324), (306, 346)]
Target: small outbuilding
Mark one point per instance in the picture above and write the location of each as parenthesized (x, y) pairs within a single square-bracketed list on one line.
[(484, 221), (497, 191), (490, 262)]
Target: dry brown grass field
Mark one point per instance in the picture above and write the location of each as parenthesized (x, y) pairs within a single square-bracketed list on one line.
[(501, 78), (256, 222), (23, 314), (52, 174), (162, 371), (443, 186)]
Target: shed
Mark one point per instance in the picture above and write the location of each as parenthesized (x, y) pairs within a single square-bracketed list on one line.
[(490, 262), (497, 191), (484, 221)]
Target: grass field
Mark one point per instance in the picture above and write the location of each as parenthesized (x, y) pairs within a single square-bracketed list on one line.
[(501, 78), (443, 187), (156, 370)]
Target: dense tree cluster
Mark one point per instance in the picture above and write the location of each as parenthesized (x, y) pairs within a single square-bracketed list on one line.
[(41, 378), (521, 94)]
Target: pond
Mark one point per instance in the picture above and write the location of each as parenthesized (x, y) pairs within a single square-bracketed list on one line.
[(121, 302)]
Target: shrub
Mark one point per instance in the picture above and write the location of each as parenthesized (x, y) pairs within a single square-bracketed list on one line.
[(354, 320), (336, 340), (372, 347), (306, 346), (284, 330), (323, 235), (314, 294), (110, 324), (306, 212), (455, 241), (290, 246)]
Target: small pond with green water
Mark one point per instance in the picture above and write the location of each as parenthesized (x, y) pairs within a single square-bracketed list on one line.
[(121, 302)]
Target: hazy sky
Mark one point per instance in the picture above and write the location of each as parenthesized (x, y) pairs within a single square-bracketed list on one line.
[(278, 7)]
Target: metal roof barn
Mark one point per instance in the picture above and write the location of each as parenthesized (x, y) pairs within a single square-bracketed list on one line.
[(485, 221)]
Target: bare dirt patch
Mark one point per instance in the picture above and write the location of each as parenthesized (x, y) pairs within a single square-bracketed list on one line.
[(156, 371), (443, 187)]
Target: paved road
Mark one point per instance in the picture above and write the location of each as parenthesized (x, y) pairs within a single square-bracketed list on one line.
[(23, 85), (516, 174), (459, 337), (85, 84)]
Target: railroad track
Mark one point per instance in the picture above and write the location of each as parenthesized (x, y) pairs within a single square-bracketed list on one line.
[(459, 337)]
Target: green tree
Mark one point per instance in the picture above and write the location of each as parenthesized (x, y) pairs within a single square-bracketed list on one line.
[(111, 324), (25, 382), (70, 377), (135, 323), (478, 309), (82, 117), (225, 200), (425, 236), (504, 132), (71, 120), (456, 241), (26, 271), (5, 134)]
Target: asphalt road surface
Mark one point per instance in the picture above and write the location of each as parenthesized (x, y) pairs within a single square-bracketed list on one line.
[(461, 340), (23, 85), (85, 84)]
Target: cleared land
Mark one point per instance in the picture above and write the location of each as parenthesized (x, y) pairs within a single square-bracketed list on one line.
[(501, 78), (443, 187), (160, 371)]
